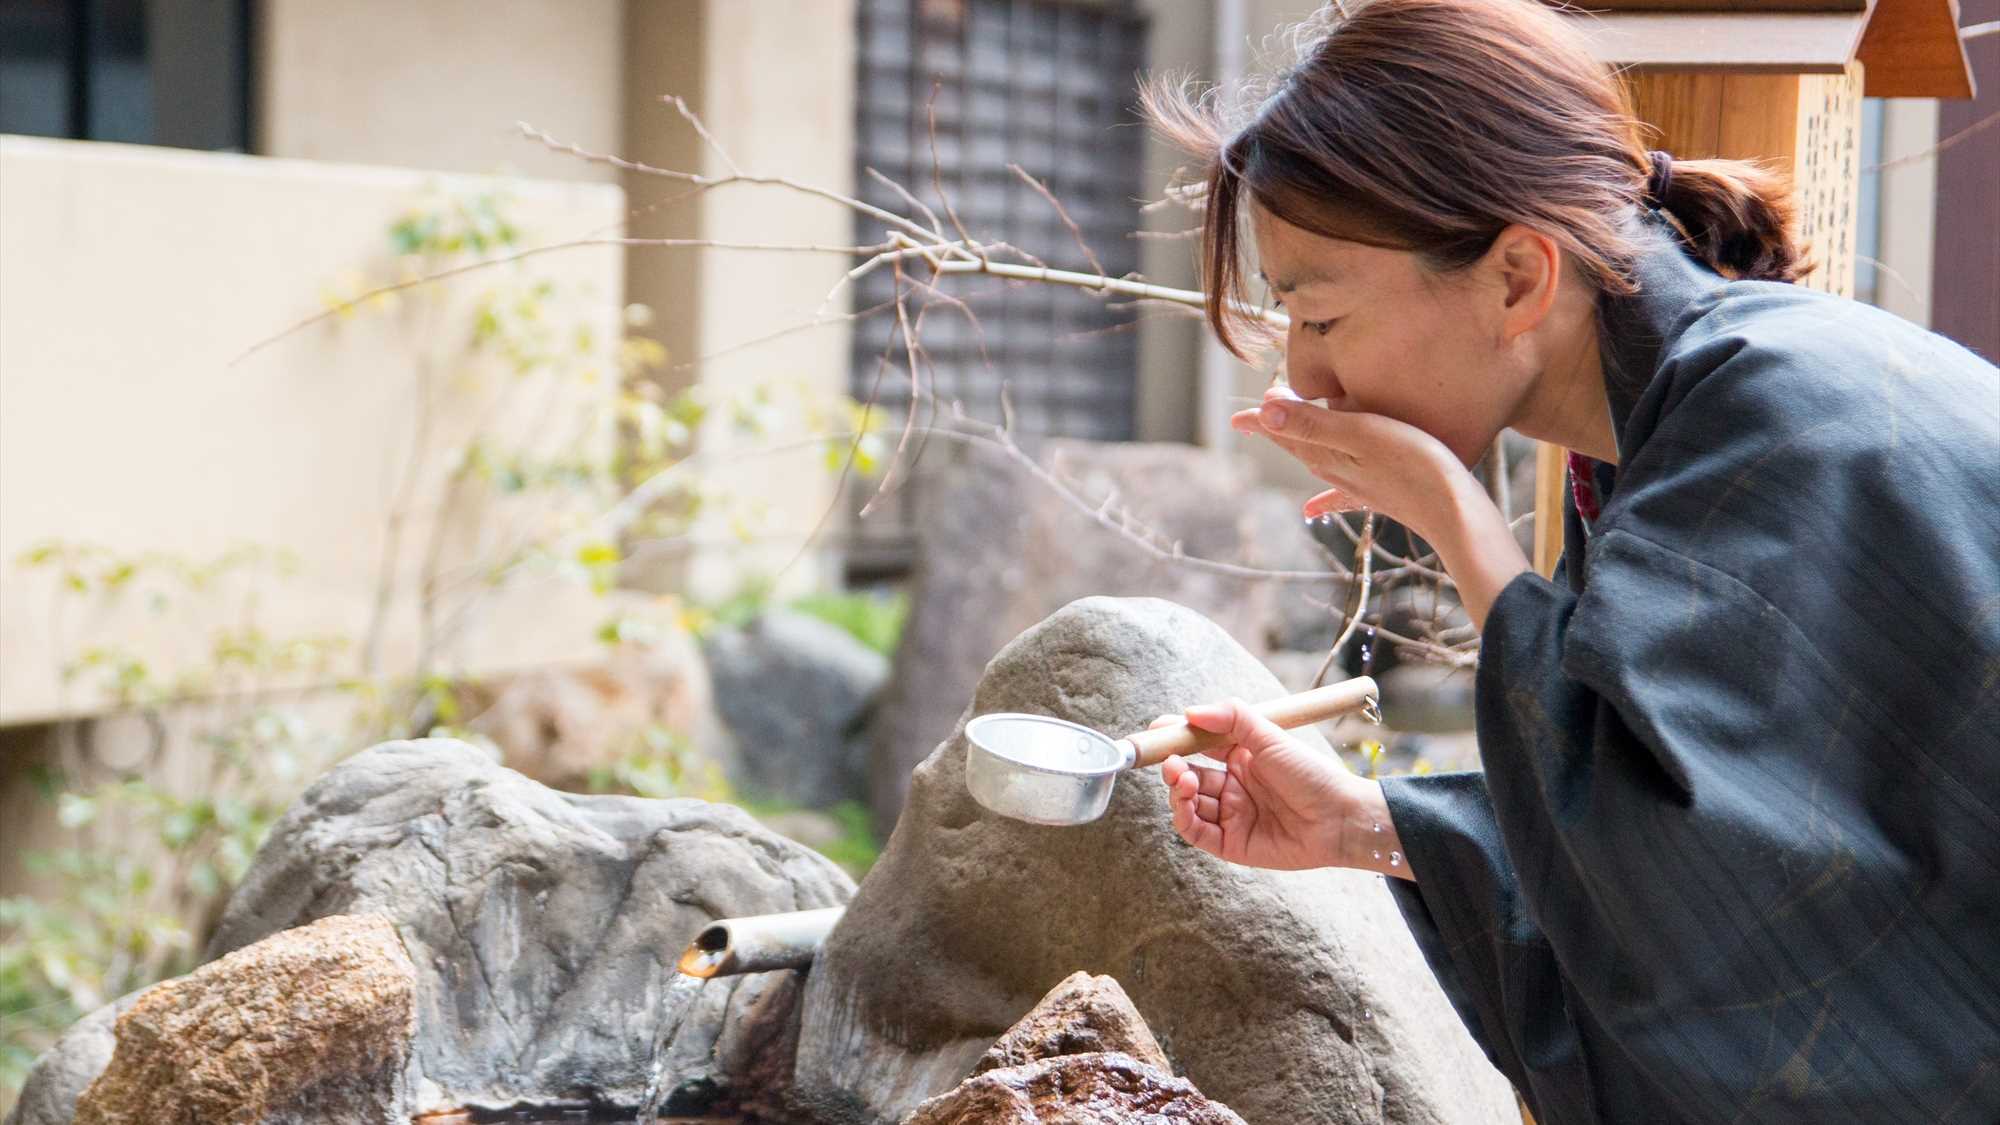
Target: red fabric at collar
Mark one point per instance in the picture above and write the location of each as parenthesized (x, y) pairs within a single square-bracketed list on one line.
[(1583, 485)]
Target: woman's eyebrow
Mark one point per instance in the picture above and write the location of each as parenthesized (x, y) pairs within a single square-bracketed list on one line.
[(1289, 284)]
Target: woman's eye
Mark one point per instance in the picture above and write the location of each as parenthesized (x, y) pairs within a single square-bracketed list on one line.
[(1321, 327)]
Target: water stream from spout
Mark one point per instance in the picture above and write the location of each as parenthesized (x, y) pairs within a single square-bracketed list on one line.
[(675, 1005)]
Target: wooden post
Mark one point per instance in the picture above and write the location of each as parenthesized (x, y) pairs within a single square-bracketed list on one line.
[(1551, 476)]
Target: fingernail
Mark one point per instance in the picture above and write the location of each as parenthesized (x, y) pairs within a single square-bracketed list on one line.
[(1275, 414)]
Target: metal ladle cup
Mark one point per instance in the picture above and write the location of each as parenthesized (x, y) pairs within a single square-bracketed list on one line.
[(1051, 771)]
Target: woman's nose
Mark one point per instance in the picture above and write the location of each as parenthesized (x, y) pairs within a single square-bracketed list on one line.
[(1301, 373)]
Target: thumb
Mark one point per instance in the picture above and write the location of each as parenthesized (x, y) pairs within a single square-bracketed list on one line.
[(1241, 722)]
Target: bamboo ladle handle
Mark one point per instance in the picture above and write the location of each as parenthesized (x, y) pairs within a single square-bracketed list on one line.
[(1156, 744)]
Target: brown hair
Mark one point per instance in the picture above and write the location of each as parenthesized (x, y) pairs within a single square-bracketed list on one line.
[(1431, 125)]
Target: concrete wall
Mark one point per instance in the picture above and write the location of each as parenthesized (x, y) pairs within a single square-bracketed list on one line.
[(135, 276), (1182, 41), (440, 84), (1907, 210), (774, 85)]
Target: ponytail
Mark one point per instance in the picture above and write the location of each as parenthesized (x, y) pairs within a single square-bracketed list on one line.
[(1737, 217)]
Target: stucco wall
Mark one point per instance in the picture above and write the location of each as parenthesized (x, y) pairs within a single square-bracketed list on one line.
[(774, 85), (134, 277), (440, 84)]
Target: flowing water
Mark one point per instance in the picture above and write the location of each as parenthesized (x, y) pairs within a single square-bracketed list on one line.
[(674, 1007)]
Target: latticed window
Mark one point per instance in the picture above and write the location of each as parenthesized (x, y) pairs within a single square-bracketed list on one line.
[(1047, 85)]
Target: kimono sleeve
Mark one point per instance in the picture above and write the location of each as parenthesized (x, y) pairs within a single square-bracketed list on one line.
[(1467, 910)]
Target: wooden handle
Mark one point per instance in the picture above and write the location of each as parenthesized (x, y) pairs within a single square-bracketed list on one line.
[(1156, 744)]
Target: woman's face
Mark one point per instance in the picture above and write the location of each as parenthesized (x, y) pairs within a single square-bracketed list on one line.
[(1373, 330)]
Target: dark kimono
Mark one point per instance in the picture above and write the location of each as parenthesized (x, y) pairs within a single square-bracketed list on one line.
[(1735, 855)]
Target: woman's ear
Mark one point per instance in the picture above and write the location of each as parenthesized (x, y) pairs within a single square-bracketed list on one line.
[(1528, 265)]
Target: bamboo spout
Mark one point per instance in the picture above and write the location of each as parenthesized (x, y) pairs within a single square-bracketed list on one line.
[(759, 943)]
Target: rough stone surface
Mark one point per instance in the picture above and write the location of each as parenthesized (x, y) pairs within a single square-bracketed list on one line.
[(797, 693), (1082, 1015), (1100, 1088), (1296, 998), (997, 551), (560, 724), (64, 1071), (544, 926), (247, 1038)]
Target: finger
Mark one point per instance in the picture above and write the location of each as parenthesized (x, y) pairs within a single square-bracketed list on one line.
[(1172, 768), (1188, 824), (1164, 721), (1209, 782), (1208, 809), (1318, 455), (1201, 833), (1331, 464), (1239, 721), (1332, 500), (1303, 421)]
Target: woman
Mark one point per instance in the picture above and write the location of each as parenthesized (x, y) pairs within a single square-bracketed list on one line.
[(1735, 854)]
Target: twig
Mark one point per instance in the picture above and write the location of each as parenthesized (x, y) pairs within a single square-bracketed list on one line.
[(1062, 213), (1141, 289), (937, 228), (937, 172), (341, 307), (680, 104), (1357, 597), (1983, 123)]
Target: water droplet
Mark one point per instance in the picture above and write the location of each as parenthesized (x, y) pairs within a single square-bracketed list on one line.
[(1395, 859), (1367, 1013), (1377, 855), (1378, 828)]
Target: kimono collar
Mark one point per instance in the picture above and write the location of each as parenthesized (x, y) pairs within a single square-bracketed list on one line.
[(1636, 332)]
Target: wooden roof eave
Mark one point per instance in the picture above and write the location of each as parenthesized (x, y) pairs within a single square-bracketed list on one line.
[(1907, 48)]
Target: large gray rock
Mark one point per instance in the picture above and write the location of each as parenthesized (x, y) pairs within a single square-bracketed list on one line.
[(1295, 998), (543, 925), (998, 550), (797, 693)]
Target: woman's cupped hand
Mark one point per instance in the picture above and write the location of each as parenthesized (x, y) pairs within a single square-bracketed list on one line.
[(1368, 460)]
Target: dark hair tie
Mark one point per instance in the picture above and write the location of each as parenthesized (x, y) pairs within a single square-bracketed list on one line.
[(1662, 180)]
